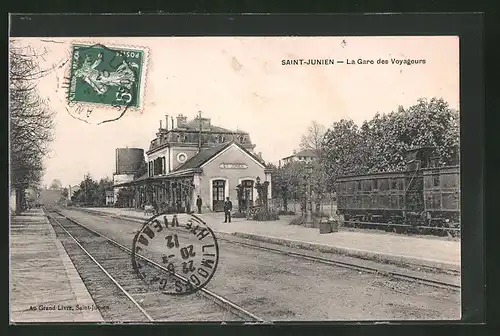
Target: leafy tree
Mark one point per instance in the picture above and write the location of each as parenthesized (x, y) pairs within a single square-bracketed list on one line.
[(429, 123), (125, 197), (88, 193), (103, 185), (64, 196), (143, 169), (380, 144), (92, 192), (343, 151)]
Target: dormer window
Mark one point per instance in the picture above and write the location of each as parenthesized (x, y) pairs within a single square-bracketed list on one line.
[(241, 139), (181, 138), (219, 138)]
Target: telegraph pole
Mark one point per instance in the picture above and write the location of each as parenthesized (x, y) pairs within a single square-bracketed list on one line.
[(309, 217), (199, 137)]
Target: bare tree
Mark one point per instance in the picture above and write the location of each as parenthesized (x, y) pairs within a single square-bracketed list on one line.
[(314, 137), (31, 120)]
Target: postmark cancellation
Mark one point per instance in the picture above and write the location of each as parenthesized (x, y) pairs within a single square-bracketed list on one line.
[(175, 255)]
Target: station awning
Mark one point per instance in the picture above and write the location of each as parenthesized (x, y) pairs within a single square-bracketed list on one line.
[(160, 178)]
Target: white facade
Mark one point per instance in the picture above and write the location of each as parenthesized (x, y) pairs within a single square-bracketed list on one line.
[(293, 158), (306, 156)]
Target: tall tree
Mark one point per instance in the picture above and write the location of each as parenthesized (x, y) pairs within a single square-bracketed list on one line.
[(143, 169), (55, 185), (104, 184), (429, 123), (341, 156), (31, 120), (381, 143), (313, 138), (125, 197)]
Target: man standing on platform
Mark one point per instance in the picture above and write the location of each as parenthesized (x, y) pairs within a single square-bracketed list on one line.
[(199, 203), (228, 206)]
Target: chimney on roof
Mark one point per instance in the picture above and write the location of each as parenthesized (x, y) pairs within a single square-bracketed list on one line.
[(181, 120), (160, 124)]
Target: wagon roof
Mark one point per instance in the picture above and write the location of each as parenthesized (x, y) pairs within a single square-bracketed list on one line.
[(372, 175)]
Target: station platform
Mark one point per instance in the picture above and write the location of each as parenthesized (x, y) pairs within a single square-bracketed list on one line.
[(426, 251), (44, 284)]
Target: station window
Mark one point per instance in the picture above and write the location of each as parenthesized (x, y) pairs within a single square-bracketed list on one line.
[(341, 187), (375, 184), (384, 184), (436, 180), (394, 184), (349, 186)]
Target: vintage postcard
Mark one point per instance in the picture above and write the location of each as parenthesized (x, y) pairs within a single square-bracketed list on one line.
[(256, 179)]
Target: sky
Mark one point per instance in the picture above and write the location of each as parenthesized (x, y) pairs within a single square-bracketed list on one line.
[(240, 83)]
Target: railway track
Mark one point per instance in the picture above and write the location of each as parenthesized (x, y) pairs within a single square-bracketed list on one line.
[(400, 275), (353, 266), (432, 230), (121, 295)]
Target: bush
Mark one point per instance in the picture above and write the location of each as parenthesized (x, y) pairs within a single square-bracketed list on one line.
[(301, 219), (265, 216), (238, 214), (320, 214), (286, 213)]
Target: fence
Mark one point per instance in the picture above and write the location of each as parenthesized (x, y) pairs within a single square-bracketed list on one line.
[(327, 207)]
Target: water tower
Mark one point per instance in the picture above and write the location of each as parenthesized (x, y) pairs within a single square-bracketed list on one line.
[(128, 163)]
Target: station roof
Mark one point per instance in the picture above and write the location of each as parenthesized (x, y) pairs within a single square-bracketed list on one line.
[(204, 156), (191, 166), (305, 153)]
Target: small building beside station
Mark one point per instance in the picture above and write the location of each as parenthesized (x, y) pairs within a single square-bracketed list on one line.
[(198, 158)]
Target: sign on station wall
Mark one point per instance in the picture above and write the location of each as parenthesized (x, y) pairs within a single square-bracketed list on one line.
[(233, 166)]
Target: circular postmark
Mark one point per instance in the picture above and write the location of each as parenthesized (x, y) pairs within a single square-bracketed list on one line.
[(175, 254)]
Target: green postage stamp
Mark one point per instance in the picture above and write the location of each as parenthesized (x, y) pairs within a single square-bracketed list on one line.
[(107, 76)]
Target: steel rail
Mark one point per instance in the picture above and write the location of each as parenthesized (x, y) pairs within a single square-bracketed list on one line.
[(403, 225), (127, 294), (368, 269), (219, 300), (430, 282)]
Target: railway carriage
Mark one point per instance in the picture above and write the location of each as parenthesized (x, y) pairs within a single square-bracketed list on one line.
[(421, 195), (372, 197), (442, 196)]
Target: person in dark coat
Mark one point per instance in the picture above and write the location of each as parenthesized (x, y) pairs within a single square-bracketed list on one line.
[(228, 206), (155, 206), (199, 203)]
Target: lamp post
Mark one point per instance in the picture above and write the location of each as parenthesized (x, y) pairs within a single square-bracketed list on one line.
[(259, 191), (309, 220)]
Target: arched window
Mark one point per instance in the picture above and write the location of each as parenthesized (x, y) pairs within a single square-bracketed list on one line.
[(247, 189), (218, 195), (248, 194)]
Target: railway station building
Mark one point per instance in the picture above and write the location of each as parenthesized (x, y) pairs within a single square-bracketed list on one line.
[(198, 158)]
